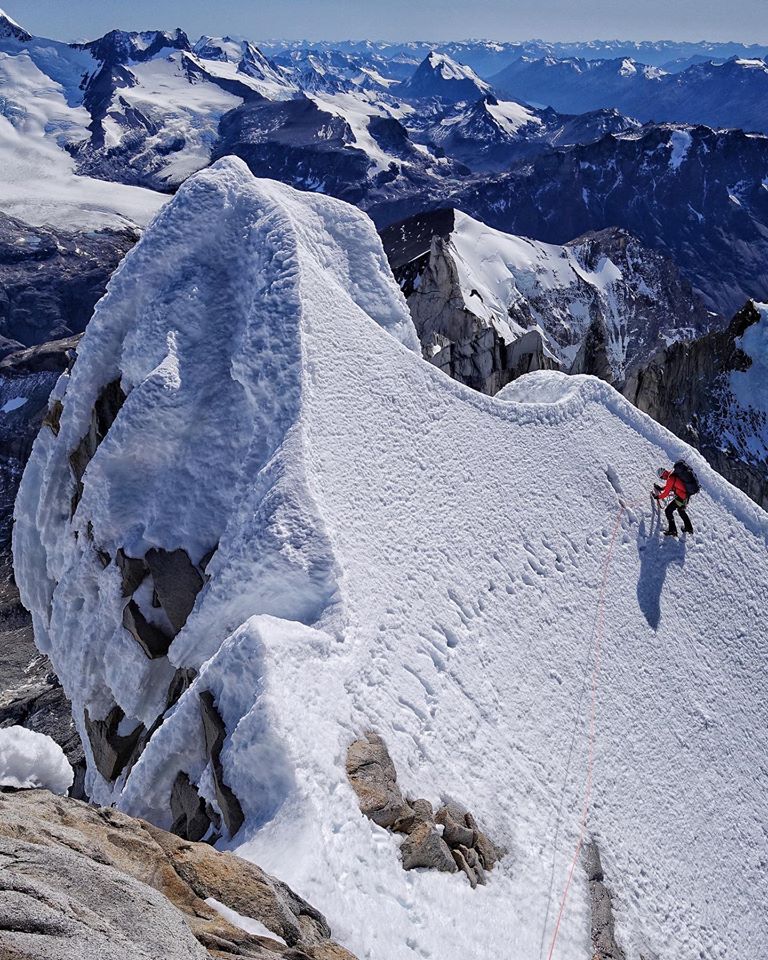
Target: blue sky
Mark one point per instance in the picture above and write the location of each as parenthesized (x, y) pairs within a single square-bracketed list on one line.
[(405, 19)]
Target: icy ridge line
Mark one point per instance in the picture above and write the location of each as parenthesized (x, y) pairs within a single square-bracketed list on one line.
[(391, 552)]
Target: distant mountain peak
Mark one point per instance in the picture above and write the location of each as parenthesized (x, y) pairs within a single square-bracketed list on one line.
[(438, 75), (126, 46), (11, 30)]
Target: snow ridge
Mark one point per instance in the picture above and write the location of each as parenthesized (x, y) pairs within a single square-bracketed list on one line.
[(396, 552)]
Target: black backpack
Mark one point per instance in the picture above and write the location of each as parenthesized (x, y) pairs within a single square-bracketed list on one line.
[(689, 478)]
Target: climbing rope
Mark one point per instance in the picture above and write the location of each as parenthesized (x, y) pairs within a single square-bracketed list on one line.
[(595, 655)]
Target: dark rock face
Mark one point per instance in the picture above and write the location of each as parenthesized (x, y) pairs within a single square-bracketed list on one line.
[(295, 142), (105, 410), (687, 388), (132, 571), (604, 945), (152, 640), (50, 280), (28, 375), (10, 30), (215, 733), (190, 818), (111, 751), (655, 303), (449, 841), (177, 583)]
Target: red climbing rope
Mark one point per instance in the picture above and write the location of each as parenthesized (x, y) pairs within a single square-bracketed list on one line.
[(597, 639)]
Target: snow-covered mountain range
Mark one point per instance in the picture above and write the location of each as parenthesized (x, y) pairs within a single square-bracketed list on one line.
[(336, 545), (146, 110), (695, 194), (487, 57), (259, 528), (445, 79), (730, 93)]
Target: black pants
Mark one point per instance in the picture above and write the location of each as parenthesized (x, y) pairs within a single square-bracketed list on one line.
[(670, 515)]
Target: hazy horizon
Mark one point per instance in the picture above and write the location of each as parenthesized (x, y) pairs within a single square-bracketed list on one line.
[(398, 21)]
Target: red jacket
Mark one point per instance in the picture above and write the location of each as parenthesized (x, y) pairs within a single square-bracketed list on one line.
[(674, 485)]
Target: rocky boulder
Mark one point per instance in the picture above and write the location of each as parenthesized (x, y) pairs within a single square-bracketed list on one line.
[(374, 779), (96, 884), (448, 841)]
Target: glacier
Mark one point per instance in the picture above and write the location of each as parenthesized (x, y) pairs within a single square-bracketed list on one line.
[(382, 548)]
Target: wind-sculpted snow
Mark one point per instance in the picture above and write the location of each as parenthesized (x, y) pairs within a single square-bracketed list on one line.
[(398, 553)]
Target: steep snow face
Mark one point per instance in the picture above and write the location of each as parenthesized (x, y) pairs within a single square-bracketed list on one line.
[(396, 552), (242, 63)]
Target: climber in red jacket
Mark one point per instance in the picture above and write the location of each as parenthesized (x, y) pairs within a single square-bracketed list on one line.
[(677, 489)]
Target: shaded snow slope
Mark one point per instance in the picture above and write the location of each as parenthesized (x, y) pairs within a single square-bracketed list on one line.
[(396, 552)]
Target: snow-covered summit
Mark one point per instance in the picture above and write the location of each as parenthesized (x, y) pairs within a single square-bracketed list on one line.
[(440, 76), (127, 46), (259, 525), (11, 30), (248, 61)]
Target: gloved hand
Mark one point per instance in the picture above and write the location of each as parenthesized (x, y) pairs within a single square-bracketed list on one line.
[(655, 495)]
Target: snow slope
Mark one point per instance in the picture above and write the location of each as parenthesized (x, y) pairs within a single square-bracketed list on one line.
[(37, 125), (175, 109), (398, 552)]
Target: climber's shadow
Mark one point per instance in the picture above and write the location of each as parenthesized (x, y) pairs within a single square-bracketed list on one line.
[(656, 554)]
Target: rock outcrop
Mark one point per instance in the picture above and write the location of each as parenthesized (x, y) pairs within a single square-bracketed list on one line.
[(448, 841), (489, 307), (602, 926), (97, 884), (215, 733)]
